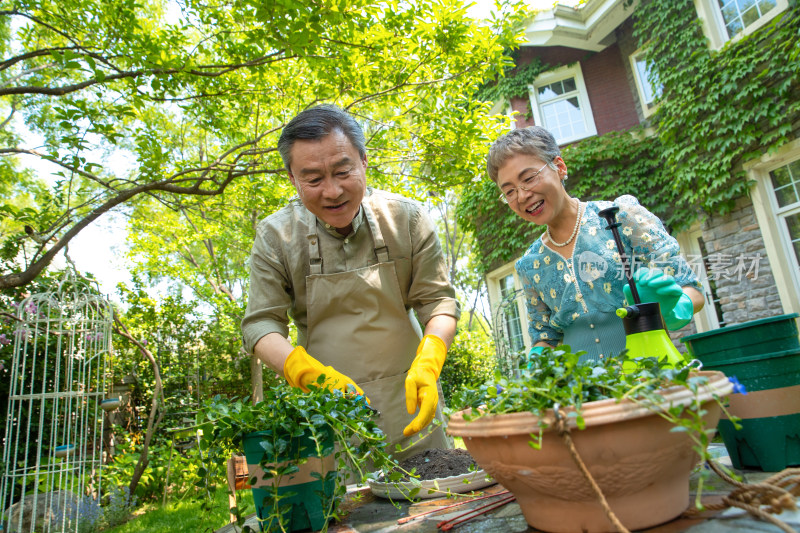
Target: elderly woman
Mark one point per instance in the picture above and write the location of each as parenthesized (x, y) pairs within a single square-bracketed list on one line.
[(572, 275)]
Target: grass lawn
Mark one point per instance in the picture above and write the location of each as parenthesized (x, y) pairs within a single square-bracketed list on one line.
[(185, 516)]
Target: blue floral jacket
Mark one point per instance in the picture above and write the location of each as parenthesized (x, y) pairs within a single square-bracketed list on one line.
[(559, 290)]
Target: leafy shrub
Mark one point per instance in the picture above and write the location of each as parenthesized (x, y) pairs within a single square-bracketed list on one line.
[(182, 468), (470, 361)]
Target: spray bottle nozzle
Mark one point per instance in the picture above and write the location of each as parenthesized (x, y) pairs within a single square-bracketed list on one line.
[(628, 312)]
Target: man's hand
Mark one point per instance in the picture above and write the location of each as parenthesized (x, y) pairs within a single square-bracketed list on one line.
[(655, 286), (421, 382), (300, 370)]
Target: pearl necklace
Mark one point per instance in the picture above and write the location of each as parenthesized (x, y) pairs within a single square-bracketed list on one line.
[(574, 230)]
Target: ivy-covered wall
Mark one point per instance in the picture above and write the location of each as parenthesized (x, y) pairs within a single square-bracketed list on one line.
[(718, 110)]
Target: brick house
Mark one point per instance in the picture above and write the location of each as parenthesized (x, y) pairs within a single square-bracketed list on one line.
[(598, 83)]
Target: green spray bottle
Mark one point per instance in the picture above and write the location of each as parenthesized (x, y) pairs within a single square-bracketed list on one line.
[(645, 332)]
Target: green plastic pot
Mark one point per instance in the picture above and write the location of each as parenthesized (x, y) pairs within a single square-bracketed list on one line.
[(304, 497), (764, 355)]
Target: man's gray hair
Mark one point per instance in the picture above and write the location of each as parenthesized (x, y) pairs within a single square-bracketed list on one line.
[(534, 141), (318, 122)]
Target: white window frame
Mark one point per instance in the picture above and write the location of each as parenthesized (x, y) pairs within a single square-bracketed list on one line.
[(706, 319), (782, 259), (553, 76), (648, 108), (493, 279), (713, 23)]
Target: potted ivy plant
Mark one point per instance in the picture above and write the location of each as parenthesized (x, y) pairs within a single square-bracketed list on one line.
[(592, 447), (301, 449)]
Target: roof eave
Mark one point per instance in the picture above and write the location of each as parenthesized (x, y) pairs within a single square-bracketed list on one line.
[(584, 28)]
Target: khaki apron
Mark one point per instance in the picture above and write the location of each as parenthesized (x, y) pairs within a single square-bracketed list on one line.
[(358, 324)]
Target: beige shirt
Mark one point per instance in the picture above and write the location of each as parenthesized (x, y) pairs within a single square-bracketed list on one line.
[(279, 263)]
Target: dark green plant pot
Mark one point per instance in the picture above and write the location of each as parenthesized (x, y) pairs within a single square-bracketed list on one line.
[(301, 499), (764, 355)]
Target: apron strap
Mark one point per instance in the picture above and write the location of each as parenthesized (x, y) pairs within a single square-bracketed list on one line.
[(314, 257), (381, 251)]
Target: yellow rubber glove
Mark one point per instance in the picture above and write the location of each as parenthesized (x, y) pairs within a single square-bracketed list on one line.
[(421, 382), (300, 369)]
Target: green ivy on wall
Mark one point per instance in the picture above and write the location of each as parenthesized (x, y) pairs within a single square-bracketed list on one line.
[(718, 109), (515, 82)]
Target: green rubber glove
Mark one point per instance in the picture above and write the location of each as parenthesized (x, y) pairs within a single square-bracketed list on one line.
[(655, 286), (300, 370), (421, 388)]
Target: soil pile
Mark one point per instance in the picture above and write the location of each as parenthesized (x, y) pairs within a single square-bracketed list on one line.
[(437, 464)]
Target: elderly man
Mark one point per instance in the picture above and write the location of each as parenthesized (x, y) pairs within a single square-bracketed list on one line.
[(348, 263)]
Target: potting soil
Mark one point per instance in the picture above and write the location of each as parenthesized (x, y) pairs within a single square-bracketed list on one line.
[(437, 463)]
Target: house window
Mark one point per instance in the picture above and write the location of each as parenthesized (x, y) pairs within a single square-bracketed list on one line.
[(560, 104), (724, 20), (642, 74), (786, 187), (739, 14), (512, 324), (776, 204)]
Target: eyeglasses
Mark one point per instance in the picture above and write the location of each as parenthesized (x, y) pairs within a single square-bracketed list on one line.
[(528, 183)]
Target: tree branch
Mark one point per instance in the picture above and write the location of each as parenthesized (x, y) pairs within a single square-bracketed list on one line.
[(220, 70)]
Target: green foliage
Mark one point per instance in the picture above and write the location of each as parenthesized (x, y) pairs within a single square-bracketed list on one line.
[(326, 421), (172, 103), (162, 456), (198, 355), (608, 166), (470, 360), (556, 379), (119, 506), (515, 82), (719, 108)]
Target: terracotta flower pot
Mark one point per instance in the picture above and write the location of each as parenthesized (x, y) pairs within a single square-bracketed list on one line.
[(642, 468)]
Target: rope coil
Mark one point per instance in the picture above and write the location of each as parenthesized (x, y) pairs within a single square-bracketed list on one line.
[(778, 492)]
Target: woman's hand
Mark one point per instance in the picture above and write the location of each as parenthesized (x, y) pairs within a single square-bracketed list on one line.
[(653, 285)]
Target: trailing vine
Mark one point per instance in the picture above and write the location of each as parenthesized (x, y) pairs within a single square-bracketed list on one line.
[(718, 109)]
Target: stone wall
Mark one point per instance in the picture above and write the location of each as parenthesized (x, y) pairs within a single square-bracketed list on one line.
[(744, 295)]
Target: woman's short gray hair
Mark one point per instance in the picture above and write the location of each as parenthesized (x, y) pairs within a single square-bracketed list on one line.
[(533, 140)]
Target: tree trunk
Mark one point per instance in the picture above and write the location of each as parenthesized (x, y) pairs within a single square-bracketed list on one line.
[(156, 412)]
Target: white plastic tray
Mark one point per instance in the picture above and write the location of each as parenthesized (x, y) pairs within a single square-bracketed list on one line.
[(432, 488)]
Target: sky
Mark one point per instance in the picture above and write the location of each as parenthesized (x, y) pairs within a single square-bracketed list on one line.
[(100, 248)]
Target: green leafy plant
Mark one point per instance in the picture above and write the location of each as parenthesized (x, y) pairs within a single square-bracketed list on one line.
[(557, 380), (328, 421)]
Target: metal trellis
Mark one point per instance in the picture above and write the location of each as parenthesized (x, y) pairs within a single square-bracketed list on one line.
[(53, 443)]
